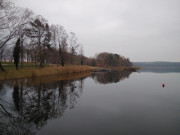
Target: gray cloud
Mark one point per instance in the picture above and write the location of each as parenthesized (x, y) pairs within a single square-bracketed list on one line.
[(142, 30)]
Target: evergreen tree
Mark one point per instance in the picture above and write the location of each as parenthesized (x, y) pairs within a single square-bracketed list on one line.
[(16, 53)]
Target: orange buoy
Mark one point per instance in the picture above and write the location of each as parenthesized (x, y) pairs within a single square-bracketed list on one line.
[(163, 85)]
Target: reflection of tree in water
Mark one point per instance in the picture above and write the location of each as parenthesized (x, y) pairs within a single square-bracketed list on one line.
[(2, 89), (33, 105), (110, 77)]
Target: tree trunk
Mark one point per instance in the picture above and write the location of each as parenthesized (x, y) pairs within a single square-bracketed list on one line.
[(62, 60), (16, 66), (22, 52), (81, 60), (1, 55), (1, 67), (71, 58)]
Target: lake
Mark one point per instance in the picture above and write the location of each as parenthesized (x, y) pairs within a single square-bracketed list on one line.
[(109, 103)]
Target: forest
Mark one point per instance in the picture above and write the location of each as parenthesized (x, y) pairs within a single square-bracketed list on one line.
[(27, 37)]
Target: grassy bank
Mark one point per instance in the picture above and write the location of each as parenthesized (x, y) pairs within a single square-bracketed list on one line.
[(12, 73), (30, 70), (46, 79)]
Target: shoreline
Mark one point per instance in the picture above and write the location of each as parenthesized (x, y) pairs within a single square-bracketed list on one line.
[(29, 72), (106, 69)]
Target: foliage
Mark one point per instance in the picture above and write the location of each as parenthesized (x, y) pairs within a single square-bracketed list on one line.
[(113, 60), (93, 62)]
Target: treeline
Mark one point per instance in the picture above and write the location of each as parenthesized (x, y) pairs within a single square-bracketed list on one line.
[(35, 39), (25, 36), (109, 59)]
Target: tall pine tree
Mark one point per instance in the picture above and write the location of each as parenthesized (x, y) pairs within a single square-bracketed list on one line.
[(16, 53)]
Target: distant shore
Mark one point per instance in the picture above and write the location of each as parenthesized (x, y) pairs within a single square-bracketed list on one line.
[(133, 69)]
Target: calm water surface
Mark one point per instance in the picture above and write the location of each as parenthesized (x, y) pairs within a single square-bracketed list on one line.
[(110, 103)]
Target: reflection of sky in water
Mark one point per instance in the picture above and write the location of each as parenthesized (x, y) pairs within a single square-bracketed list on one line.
[(6, 93)]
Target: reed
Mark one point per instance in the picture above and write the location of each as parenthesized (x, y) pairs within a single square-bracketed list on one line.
[(12, 73)]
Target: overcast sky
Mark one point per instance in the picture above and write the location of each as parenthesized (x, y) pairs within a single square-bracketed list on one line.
[(142, 30)]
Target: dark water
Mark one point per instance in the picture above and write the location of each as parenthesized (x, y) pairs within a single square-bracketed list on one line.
[(110, 103)]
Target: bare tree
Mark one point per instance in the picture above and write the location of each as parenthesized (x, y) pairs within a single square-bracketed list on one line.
[(2, 53), (55, 55), (59, 40), (63, 50), (40, 37), (12, 23), (81, 55), (36, 37), (8, 54), (73, 46), (12, 19)]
